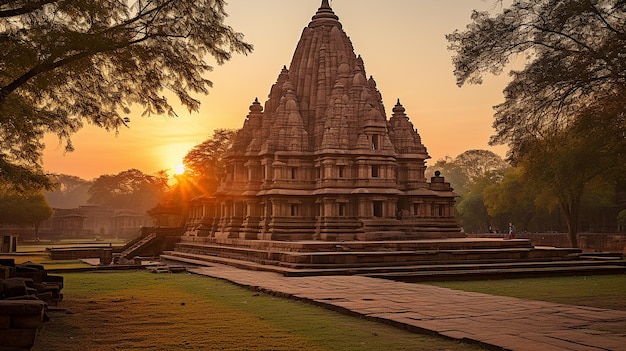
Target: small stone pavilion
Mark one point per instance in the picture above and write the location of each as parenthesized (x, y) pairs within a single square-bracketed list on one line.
[(320, 182), (320, 161)]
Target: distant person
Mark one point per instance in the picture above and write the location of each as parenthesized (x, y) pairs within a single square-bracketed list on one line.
[(490, 229), (511, 231)]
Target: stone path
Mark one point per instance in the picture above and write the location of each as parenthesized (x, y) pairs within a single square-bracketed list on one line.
[(501, 322)]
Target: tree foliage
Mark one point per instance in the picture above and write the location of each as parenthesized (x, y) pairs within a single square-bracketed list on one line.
[(575, 54), (204, 163), (564, 113), (70, 192), (469, 174), (512, 199), (567, 164), (452, 172), (471, 208), (469, 166), (67, 62), (23, 208), (130, 189)]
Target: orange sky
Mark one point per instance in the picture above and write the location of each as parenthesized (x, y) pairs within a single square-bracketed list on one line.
[(401, 42)]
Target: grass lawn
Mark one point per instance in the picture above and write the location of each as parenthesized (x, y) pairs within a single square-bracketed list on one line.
[(602, 291), (36, 253), (44, 260), (138, 310)]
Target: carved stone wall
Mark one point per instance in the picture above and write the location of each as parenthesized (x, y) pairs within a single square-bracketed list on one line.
[(320, 160)]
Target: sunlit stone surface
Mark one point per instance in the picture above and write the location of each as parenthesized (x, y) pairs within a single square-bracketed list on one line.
[(320, 160)]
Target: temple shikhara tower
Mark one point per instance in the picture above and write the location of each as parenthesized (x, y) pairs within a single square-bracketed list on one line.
[(321, 161), (320, 182)]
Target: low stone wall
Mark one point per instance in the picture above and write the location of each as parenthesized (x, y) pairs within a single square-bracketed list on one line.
[(25, 292), (104, 254), (19, 322), (589, 242)]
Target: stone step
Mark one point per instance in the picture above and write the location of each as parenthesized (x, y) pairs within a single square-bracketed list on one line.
[(388, 245), (348, 258), (502, 273), (415, 272)]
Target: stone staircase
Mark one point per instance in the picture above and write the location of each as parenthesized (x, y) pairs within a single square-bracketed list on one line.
[(130, 250), (408, 260)]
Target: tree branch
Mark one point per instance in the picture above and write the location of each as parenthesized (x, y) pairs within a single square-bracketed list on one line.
[(27, 8)]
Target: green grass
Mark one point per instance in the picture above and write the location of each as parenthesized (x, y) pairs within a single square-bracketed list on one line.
[(143, 311), (44, 260), (35, 252), (601, 291)]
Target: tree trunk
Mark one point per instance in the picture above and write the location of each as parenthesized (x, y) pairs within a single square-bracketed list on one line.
[(572, 211)]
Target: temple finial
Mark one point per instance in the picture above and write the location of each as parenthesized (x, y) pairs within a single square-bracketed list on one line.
[(324, 16), (398, 109)]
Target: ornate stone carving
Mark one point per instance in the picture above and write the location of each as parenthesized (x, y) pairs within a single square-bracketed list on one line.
[(322, 160)]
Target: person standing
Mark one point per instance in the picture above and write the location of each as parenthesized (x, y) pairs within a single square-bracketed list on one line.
[(511, 231)]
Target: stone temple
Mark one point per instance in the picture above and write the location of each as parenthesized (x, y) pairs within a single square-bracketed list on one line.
[(320, 160), (320, 182)]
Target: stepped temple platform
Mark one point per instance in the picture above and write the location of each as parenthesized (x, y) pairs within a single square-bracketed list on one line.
[(320, 182), (409, 260)]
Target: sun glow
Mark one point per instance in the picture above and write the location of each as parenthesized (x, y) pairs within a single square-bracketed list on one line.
[(179, 169)]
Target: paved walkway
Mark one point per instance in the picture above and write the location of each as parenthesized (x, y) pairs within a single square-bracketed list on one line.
[(504, 322)]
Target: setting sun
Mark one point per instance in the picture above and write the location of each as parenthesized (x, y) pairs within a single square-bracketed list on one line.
[(179, 169)]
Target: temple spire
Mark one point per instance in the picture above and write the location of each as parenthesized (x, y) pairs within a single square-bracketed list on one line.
[(324, 16)]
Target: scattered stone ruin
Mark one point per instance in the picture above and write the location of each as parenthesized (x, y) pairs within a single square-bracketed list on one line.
[(26, 291)]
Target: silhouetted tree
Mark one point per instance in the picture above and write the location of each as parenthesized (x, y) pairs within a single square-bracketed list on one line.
[(66, 62), (574, 53), (24, 208), (70, 192), (204, 163), (130, 189)]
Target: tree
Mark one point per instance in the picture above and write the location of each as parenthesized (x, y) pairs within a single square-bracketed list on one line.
[(567, 164), (204, 163), (21, 177), (70, 192), (24, 208), (471, 210), (570, 91), (512, 199), (469, 174), (574, 53), (130, 189), (67, 62), (452, 172), (480, 163), (469, 166)]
